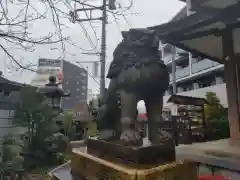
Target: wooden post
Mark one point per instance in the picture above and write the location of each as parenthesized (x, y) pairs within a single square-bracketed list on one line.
[(232, 83), (203, 118)]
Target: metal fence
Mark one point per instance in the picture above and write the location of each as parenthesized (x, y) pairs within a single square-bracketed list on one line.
[(178, 126)]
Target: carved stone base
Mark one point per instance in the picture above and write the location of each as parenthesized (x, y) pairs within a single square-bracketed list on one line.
[(90, 167), (145, 154)]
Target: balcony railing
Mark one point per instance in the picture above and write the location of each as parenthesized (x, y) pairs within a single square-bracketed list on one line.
[(203, 65), (180, 51), (180, 73), (167, 58)]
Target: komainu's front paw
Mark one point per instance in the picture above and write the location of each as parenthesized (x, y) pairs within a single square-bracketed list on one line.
[(131, 138)]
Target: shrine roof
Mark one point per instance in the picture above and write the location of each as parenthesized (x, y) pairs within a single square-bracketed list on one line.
[(187, 100), (8, 85), (200, 33)]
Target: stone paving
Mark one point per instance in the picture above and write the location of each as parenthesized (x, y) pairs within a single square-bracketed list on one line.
[(218, 153)]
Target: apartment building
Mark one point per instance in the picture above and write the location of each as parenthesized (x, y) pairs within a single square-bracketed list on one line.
[(75, 80), (194, 75)]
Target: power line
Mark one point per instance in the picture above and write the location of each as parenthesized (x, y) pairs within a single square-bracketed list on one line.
[(103, 8), (90, 41), (86, 70), (88, 38), (84, 30), (95, 34), (116, 22), (103, 19), (71, 43), (90, 74), (93, 46), (126, 20)]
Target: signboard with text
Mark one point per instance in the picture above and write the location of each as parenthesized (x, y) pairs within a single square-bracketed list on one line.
[(49, 62), (49, 67)]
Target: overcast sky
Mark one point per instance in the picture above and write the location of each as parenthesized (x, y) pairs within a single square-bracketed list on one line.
[(146, 13)]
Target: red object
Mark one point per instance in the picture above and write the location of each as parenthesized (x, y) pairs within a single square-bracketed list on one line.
[(142, 116), (209, 177), (59, 76)]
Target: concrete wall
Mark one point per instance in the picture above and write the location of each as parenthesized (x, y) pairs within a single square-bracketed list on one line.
[(6, 126), (7, 104)]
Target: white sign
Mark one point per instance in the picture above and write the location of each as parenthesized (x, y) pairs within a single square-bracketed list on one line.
[(174, 110), (46, 68), (96, 69), (49, 62)]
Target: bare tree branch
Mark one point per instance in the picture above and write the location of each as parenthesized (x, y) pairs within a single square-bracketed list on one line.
[(17, 17)]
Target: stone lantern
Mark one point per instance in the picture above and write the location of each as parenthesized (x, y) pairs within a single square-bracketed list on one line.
[(53, 93)]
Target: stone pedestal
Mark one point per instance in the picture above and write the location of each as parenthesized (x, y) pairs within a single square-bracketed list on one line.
[(146, 154), (223, 156), (110, 161), (90, 167)]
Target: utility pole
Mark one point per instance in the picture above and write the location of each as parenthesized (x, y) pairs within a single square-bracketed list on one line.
[(103, 49), (174, 110), (174, 86), (103, 18)]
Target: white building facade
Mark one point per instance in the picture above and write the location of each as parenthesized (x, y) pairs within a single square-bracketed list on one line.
[(194, 75)]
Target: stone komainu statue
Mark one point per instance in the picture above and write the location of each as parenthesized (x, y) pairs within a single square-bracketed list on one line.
[(137, 73)]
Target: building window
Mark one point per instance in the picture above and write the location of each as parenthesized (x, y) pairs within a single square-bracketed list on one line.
[(219, 80), (195, 86), (180, 90)]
